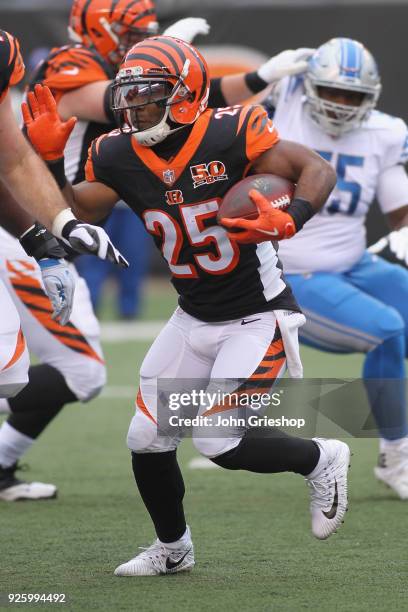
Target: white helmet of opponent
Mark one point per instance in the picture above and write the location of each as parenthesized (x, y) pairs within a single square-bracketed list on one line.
[(343, 64)]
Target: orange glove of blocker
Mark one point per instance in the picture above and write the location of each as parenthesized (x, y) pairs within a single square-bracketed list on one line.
[(47, 133), (271, 223)]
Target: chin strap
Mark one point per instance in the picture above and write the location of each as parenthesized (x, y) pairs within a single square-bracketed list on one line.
[(145, 141)]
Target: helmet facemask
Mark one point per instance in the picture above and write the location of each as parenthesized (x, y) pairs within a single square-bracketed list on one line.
[(335, 118), (341, 65), (142, 103)]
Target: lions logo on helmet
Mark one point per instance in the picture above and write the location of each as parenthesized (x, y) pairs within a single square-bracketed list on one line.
[(341, 64), (170, 92)]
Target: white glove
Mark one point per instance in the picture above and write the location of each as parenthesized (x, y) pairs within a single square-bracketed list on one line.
[(93, 240), (86, 238), (393, 247), (187, 29), (286, 63), (59, 285)]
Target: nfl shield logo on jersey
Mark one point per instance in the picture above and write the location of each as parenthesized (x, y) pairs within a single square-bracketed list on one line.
[(169, 177)]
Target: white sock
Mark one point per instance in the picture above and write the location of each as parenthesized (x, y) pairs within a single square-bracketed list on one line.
[(183, 542), (13, 445), (390, 444), (4, 406)]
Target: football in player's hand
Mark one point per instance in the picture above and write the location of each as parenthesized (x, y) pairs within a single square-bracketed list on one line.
[(237, 203)]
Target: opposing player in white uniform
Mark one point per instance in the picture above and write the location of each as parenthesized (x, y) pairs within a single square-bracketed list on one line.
[(354, 301)]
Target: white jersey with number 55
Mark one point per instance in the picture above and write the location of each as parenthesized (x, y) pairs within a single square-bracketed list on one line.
[(367, 161)]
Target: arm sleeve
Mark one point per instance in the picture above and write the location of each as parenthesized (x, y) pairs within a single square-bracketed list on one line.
[(392, 189), (216, 98)]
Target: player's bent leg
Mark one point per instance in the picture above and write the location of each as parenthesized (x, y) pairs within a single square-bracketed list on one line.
[(73, 349), (343, 317), (73, 368), (258, 354), (385, 281), (389, 283), (154, 461)]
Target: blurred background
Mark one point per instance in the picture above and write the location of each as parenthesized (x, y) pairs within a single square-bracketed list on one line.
[(243, 34)]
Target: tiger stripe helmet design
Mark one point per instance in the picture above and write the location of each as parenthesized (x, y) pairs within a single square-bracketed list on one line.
[(165, 73), (112, 26), (11, 63)]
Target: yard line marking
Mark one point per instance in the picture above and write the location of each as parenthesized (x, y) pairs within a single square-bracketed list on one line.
[(136, 330)]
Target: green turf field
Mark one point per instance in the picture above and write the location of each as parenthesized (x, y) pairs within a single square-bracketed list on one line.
[(254, 548)]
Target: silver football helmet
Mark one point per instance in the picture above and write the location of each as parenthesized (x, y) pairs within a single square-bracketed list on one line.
[(343, 64)]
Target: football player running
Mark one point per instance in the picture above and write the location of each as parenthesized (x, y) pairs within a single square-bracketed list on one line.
[(80, 76), (24, 174), (354, 301), (166, 133)]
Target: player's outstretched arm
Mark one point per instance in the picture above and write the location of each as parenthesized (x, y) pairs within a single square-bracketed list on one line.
[(87, 103), (24, 173), (25, 176), (235, 88), (48, 134)]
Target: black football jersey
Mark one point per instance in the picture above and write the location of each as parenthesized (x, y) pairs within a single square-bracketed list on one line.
[(178, 200), (11, 62)]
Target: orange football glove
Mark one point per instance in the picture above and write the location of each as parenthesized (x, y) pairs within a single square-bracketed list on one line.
[(271, 224), (47, 133)]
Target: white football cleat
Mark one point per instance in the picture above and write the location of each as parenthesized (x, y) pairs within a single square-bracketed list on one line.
[(392, 467), (328, 487), (12, 489), (157, 559)]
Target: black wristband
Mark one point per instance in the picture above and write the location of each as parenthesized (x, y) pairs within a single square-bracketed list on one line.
[(107, 104), (254, 82), (301, 211), (57, 169), (38, 242)]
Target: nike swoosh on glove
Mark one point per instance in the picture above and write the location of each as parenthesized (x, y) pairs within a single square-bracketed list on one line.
[(187, 29), (271, 223), (59, 285), (394, 247), (92, 239)]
